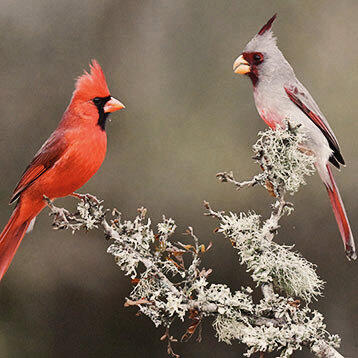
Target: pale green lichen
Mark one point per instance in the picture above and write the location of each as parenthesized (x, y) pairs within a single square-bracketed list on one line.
[(267, 261), (300, 327), (283, 158)]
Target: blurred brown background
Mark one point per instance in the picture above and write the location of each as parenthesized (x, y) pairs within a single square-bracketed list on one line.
[(187, 117)]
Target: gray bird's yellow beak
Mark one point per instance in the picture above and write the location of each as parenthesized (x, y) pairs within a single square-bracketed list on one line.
[(241, 66)]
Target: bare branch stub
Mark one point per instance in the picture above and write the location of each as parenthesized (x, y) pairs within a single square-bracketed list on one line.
[(170, 339), (228, 177)]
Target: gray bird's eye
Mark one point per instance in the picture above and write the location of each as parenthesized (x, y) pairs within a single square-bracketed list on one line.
[(257, 57)]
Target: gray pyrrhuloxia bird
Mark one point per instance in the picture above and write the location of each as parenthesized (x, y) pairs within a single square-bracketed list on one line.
[(279, 96)]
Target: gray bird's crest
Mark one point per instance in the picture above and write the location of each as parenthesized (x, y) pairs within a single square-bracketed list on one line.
[(264, 40)]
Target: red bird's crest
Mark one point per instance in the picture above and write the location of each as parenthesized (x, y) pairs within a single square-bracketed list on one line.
[(267, 26), (91, 85)]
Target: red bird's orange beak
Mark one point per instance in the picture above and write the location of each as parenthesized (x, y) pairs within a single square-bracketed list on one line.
[(113, 105)]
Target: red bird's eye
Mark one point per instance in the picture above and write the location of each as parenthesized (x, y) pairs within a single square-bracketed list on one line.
[(258, 57), (96, 100)]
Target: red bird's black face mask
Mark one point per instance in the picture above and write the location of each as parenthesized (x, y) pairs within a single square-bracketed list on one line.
[(100, 102)]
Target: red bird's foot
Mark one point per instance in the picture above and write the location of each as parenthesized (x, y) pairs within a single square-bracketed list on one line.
[(59, 214), (86, 197)]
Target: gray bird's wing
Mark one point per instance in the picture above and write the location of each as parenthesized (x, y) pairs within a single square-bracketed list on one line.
[(304, 101)]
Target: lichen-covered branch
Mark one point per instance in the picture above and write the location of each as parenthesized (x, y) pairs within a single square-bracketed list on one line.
[(170, 285)]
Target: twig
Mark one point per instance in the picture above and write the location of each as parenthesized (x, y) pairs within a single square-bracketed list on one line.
[(170, 339), (277, 213), (228, 177)]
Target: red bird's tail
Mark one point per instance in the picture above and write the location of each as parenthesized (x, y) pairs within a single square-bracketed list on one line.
[(10, 239), (341, 216)]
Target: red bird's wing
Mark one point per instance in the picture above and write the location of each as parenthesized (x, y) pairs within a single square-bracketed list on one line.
[(44, 159), (303, 100)]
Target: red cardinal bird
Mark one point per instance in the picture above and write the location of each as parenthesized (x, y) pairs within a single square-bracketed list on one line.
[(67, 160), (279, 96)]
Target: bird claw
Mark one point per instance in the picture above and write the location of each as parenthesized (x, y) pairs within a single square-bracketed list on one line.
[(87, 198), (60, 214)]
